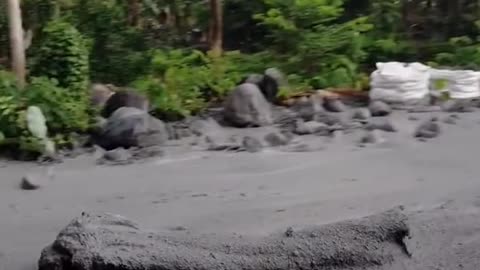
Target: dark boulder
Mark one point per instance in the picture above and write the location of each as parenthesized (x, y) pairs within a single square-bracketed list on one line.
[(246, 106), (130, 127), (269, 83), (125, 98)]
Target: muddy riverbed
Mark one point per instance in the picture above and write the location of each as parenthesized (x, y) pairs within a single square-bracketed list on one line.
[(256, 194)]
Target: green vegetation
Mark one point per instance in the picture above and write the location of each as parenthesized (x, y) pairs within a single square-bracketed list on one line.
[(160, 48)]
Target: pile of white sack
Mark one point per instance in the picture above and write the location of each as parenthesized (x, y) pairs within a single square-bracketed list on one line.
[(397, 82)]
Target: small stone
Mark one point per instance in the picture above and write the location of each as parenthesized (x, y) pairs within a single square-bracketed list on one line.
[(252, 145), (289, 232), (384, 125), (331, 119), (337, 134), (425, 109), (413, 118), (308, 108), (276, 139), (148, 152), (361, 114), (334, 105), (379, 108), (458, 105), (311, 127), (428, 129), (301, 148), (435, 97), (117, 155), (30, 182), (451, 120), (372, 137)]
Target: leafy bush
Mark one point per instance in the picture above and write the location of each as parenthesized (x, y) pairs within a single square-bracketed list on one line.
[(63, 56), (462, 52), (180, 82), (63, 111), (310, 42), (118, 53)]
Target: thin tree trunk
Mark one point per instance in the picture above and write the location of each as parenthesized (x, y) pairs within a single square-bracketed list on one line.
[(134, 10), (16, 41), (216, 27)]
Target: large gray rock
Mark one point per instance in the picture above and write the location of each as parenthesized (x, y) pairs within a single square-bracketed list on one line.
[(125, 98), (131, 127), (246, 106), (106, 241)]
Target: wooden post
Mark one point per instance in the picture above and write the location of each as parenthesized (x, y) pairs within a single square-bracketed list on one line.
[(17, 48)]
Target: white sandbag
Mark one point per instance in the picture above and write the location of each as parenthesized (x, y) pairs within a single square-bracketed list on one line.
[(462, 84), (399, 82)]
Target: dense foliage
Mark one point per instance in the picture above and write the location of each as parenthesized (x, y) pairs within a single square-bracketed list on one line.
[(64, 113), (160, 48)]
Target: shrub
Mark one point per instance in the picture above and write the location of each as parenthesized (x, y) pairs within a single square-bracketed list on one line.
[(63, 56), (180, 82), (462, 52), (310, 40), (63, 111)]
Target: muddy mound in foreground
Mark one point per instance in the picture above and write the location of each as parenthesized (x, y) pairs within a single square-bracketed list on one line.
[(103, 241)]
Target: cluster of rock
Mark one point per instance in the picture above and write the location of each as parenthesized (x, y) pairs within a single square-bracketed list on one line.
[(127, 123)]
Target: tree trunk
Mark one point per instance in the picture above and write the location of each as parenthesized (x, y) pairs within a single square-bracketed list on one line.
[(16, 41), (216, 27), (134, 10)]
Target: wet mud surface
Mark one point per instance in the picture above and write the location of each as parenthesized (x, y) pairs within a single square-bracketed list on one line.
[(194, 202)]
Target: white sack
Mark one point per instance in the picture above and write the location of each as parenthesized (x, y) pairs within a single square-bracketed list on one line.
[(462, 84), (399, 82)]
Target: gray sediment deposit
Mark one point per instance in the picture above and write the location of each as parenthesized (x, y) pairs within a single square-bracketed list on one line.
[(102, 241), (235, 206)]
